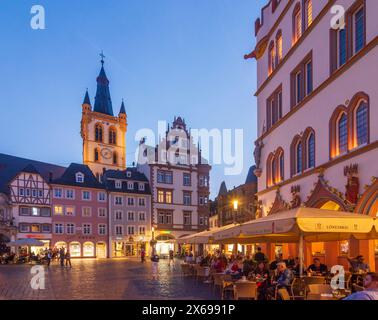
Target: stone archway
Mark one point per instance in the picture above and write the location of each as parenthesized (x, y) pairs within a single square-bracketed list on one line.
[(368, 203)]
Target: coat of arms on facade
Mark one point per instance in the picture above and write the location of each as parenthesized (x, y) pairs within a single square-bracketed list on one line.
[(296, 198), (353, 183)]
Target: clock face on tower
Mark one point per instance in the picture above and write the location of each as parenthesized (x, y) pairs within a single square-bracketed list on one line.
[(106, 153)]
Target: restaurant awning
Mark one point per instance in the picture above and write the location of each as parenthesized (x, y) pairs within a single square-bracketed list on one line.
[(314, 225), (29, 242), (204, 237)]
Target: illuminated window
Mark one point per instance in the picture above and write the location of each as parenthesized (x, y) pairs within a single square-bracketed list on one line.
[(308, 13), (272, 57), (161, 196), (279, 47), (281, 166), (168, 196), (297, 24), (58, 210)]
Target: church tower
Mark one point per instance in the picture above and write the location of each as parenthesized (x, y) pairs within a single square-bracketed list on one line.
[(103, 134)]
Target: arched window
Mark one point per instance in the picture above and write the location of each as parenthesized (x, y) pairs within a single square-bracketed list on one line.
[(112, 136), (297, 23), (279, 47), (98, 132), (272, 57), (361, 130), (270, 170), (274, 171), (280, 165), (311, 151), (115, 158), (308, 13), (96, 155), (342, 134), (298, 158)]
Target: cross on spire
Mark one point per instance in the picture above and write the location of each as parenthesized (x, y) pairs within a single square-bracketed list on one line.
[(102, 57)]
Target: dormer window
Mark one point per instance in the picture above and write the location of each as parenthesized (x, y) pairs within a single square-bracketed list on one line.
[(141, 186), (79, 177), (128, 174), (130, 185), (118, 184)]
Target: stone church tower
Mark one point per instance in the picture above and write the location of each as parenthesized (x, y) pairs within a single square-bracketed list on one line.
[(104, 135)]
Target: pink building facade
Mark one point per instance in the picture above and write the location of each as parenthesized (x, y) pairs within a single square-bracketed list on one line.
[(80, 213), (317, 100)]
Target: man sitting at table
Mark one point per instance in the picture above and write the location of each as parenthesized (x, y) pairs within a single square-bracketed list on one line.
[(317, 268), (358, 265), (274, 263), (370, 291)]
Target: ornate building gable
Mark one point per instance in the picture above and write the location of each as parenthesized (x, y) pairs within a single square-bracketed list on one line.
[(323, 193), (279, 204), (368, 203)]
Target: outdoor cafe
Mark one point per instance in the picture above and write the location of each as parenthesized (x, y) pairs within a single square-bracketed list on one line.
[(298, 228)]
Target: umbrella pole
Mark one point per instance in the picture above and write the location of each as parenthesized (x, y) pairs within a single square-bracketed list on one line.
[(301, 255)]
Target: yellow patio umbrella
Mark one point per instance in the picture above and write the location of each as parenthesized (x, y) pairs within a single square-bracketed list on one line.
[(302, 224)]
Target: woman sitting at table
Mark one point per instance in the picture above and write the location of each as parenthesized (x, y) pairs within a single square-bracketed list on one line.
[(219, 265), (261, 276)]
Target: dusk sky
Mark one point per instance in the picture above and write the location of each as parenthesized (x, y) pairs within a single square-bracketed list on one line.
[(166, 58)]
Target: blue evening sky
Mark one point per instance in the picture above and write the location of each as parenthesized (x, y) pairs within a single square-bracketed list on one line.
[(164, 57)]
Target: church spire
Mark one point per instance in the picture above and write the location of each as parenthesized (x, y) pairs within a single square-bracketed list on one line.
[(123, 109), (86, 98), (103, 102)]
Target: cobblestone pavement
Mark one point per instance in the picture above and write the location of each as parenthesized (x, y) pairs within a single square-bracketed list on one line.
[(103, 279)]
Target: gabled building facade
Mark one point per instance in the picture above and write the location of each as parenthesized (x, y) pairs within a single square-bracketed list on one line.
[(179, 179), (317, 101), (129, 212)]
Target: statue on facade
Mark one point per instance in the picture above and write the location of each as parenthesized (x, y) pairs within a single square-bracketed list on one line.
[(257, 155)]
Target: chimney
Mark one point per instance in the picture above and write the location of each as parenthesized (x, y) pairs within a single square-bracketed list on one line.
[(50, 176)]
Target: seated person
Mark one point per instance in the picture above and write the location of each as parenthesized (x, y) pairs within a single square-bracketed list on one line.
[(317, 268), (247, 266), (283, 279), (370, 291), (274, 263), (259, 256), (296, 267), (358, 265)]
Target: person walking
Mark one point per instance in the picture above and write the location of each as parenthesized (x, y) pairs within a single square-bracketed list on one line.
[(61, 256), (155, 262), (68, 258), (48, 257), (171, 258), (143, 256)]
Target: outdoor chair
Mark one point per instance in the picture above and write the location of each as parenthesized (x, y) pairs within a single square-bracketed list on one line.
[(227, 286), (312, 280), (246, 290), (186, 271), (357, 288), (202, 273), (297, 289)]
